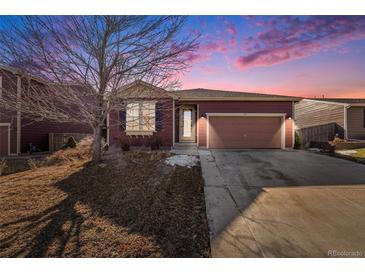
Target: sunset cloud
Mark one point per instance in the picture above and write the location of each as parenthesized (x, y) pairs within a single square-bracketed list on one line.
[(230, 27), (206, 50), (286, 38)]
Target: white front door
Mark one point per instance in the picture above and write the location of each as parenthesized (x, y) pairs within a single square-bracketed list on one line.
[(187, 124)]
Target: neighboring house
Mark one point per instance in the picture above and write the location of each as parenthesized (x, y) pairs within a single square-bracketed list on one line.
[(345, 117), (203, 117), (16, 131)]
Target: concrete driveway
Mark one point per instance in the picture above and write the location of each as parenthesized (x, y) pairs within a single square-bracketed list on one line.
[(274, 203)]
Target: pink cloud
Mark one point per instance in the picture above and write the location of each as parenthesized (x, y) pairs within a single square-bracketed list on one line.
[(232, 42), (230, 27), (217, 46), (206, 50), (286, 38)]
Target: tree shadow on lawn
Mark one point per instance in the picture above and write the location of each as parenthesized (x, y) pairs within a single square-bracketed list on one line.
[(140, 211)]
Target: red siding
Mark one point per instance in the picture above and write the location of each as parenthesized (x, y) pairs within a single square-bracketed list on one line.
[(4, 140), (289, 133), (243, 107), (9, 81), (166, 132), (32, 132), (37, 132)]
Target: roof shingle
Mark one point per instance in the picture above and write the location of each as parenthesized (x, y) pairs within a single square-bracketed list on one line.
[(208, 94)]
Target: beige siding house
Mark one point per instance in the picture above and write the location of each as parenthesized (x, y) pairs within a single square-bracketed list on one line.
[(347, 114)]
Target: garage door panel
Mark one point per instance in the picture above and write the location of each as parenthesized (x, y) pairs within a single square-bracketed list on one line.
[(244, 132)]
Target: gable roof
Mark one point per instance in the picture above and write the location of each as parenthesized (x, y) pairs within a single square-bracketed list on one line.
[(141, 89), (201, 94)]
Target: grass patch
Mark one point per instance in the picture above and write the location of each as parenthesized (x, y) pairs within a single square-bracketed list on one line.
[(134, 206), (360, 153)]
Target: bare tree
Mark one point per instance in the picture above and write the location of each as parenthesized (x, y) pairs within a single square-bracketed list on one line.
[(85, 60)]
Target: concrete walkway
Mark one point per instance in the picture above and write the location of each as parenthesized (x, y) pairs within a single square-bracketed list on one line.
[(283, 203), (229, 236), (185, 149)]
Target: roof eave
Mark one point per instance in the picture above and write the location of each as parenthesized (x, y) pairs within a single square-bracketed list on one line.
[(142, 83), (276, 99), (327, 102), (357, 104)]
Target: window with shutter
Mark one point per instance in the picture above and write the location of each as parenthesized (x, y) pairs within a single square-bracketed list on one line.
[(140, 117)]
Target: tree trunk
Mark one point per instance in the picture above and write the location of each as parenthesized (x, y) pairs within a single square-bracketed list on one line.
[(96, 149)]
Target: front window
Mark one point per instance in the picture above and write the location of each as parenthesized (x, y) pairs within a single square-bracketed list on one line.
[(140, 116)]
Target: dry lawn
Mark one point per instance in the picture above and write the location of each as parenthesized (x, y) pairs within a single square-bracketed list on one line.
[(360, 153), (135, 206)]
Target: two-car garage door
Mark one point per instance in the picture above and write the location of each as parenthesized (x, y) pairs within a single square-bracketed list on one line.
[(244, 132)]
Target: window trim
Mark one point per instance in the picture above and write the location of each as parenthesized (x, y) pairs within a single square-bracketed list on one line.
[(140, 131)]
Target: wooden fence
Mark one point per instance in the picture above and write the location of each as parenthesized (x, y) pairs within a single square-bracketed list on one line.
[(322, 133), (57, 140)]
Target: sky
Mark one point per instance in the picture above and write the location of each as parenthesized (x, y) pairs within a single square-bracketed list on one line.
[(308, 56)]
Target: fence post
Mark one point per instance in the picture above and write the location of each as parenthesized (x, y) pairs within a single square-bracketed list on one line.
[(50, 142)]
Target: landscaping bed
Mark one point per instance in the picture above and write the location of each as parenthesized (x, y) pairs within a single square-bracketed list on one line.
[(133, 205), (356, 155)]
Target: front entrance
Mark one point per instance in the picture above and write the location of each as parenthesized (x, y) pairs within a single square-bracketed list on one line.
[(187, 124)]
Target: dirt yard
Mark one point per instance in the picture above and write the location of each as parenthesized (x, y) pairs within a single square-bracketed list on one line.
[(134, 206)]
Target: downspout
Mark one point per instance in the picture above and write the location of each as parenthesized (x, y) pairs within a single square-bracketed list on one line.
[(345, 124)]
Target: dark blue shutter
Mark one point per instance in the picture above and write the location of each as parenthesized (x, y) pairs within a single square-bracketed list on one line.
[(158, 116), (122, 119)]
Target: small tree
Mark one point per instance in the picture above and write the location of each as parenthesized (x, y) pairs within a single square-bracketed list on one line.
[(85, 60)]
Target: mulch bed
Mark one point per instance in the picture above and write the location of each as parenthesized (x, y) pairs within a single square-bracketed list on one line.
[(135, 206)]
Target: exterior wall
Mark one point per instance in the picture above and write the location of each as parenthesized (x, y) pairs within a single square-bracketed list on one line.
[(37, 132), (312, 113), (289, 142), (9, 81), (31, 132), (4, 137), (243, 107), (116, 133), (355, 123)]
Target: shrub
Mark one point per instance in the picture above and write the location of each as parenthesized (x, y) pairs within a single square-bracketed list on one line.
[(3, 166), (337, 140), (155, 142), (33, 164), (297, 141), (81, 152), (71, 143), (124, 143)]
